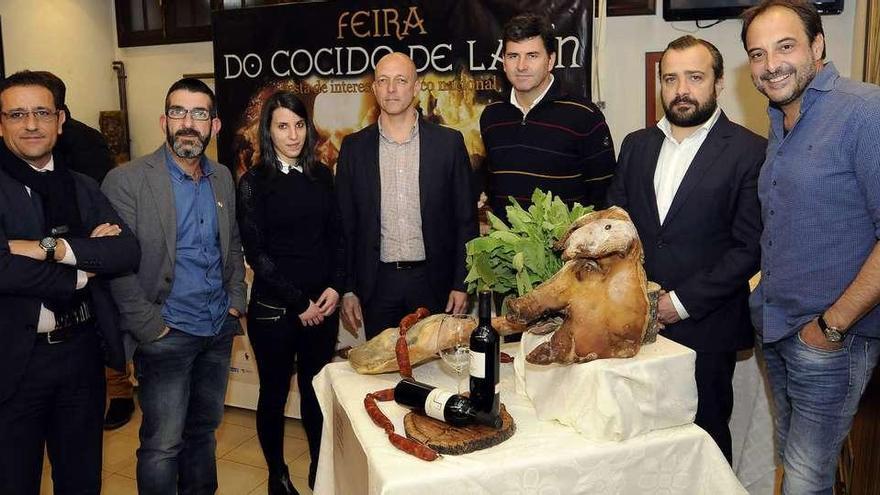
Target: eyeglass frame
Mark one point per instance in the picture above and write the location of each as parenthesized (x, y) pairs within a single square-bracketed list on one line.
[(50, 116), (189, 111)]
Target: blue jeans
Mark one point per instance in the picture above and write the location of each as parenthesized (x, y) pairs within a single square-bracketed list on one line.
[(816, 394), (182, 381)]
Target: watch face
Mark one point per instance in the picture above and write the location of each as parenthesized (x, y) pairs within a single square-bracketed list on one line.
[(832, 335), (48, 243)]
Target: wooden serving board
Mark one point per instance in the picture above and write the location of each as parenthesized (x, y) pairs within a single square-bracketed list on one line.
[(455, 440)]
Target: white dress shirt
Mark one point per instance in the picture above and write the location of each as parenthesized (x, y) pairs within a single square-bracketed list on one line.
[(285, 167), (514, 102), (672, 164), (46, 323)]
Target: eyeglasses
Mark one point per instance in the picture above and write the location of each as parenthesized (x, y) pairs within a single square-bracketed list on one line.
[(41, 114), (178, 113)]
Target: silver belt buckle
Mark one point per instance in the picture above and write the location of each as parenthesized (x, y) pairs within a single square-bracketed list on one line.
[(50, 340)]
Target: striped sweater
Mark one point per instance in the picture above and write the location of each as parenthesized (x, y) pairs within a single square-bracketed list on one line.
[(562, 145)]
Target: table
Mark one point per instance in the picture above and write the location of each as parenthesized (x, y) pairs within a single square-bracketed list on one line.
[(542, 457)]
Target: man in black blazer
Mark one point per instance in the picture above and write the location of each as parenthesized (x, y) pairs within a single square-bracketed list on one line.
[(59, 239), (690, 185), (404, 191)]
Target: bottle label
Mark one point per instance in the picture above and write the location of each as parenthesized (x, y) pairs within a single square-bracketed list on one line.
[(436, 403), (478, 364)]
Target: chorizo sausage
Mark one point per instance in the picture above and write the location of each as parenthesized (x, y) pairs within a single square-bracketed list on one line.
[(412, 447), (376, 414)]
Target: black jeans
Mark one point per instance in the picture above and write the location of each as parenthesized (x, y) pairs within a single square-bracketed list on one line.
[(59, 405), (281, 346)]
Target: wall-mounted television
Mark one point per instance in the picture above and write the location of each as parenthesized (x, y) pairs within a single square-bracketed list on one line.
[(691, 10)]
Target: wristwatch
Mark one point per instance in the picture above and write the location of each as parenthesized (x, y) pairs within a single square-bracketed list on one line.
[(832, 334), (49, 244)]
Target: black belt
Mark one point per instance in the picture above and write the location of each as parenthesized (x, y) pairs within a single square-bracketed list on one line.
[(404, 265), (60, 335)]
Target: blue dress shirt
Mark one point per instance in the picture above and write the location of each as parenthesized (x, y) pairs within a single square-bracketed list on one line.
[(820, 203), (198, 302)]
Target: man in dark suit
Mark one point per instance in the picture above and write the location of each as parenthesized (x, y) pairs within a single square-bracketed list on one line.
[(404, 190), (85, 150), (690, 185), (59, 238)]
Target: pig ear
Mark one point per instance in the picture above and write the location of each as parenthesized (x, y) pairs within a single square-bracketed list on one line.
[(586, 218)]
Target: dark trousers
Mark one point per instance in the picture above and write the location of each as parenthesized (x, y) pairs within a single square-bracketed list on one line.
[(59, 405), (714, 374), (282, 346), (398, 293)]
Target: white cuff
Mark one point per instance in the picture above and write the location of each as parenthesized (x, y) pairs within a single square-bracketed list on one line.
[(69, 258), (679, 307), (81, 279)]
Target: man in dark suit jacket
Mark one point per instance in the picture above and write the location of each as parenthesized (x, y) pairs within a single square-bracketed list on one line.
[(690, 186), (85, 150), (59, 238), (404, 190)]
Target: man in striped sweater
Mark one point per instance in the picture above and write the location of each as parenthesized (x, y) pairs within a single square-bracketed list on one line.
[(541, 137)]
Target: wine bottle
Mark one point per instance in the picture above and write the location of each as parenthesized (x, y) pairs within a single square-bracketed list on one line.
[(441, 405), (485, 353)]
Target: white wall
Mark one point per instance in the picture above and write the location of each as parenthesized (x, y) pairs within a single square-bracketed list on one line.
[(628, 38), (75, 39)]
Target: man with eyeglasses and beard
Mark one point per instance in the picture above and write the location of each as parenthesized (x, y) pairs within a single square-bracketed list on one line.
[(690, 186), (183, 305), (817, 303)]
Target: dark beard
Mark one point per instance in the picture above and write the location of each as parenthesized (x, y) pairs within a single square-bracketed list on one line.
[(187, 150), (699, 116)]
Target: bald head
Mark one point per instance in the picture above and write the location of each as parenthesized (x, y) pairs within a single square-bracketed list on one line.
[(395, 84), (396, 62)]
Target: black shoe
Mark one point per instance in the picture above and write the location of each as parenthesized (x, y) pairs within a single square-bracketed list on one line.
[(280, 484), (119, 413)]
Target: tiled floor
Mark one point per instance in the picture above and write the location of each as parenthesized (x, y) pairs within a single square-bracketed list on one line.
[(241, 469)]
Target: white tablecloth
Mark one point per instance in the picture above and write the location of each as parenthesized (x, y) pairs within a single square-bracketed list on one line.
[(543, 457), (613, 399)]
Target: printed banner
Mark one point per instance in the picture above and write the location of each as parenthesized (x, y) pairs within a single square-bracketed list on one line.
[(326, 52)]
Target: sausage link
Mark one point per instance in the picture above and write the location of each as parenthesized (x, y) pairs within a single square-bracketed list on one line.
[(407, 322), (412, 447), (505, 358), (383, 395), (376, 414), (402, 352), (422, 312)]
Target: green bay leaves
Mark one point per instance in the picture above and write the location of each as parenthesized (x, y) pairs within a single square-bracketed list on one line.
[(515, 258)]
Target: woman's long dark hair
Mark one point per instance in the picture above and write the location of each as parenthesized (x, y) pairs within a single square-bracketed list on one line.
[(268, 157)]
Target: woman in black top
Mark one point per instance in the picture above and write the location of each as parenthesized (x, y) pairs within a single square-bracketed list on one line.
[(290, 230)]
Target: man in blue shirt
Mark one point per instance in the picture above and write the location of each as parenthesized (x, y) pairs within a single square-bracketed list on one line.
[(820, 202), (182, 306)]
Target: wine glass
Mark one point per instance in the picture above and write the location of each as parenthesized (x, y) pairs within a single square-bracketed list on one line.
[(453, 343)]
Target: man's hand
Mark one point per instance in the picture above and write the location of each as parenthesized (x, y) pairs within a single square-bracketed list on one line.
[(666, 312), (457, 302), (328, 301), (106, 230), (352, 317), (311, 316), (812, 335)]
